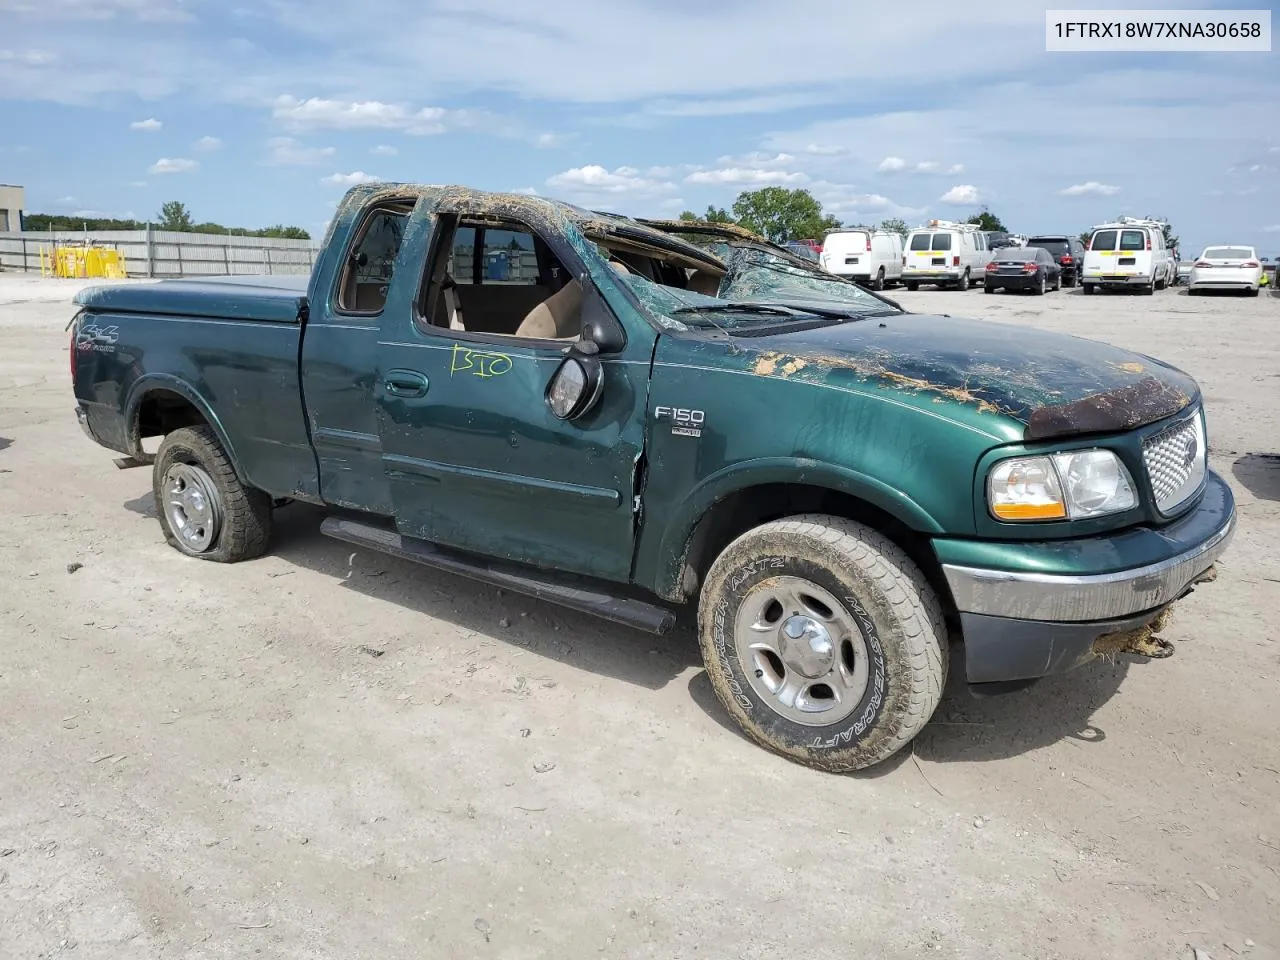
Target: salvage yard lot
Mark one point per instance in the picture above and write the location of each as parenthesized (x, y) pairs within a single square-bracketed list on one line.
[(327, 753)]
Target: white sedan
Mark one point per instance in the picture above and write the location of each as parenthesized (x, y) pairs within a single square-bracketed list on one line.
[(1226, 268)]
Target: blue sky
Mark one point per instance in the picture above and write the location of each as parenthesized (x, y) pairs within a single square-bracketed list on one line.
[(264, 113)]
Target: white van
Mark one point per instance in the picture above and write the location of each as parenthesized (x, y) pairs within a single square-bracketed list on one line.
[(871, 257), (946, 253), (1127, 253)]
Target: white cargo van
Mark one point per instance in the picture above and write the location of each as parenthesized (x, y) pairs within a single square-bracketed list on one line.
[(1127, 253), (871, 257), (946, 253)]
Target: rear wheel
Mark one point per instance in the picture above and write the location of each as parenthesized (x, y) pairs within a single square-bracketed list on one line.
[(878, 283), (823, 641), (1088, 288), (964, 281), (912, 285), (1039, 288), (988, 288), (204, 509)]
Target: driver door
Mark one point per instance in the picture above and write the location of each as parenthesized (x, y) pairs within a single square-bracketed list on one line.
[(473, 453)]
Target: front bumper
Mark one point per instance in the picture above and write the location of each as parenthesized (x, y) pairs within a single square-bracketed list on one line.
[(1033, 622)]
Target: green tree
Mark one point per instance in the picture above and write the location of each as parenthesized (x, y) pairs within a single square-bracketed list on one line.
[(781, 214), (713, 215), (895, 225), (986, 220), (174, 216)]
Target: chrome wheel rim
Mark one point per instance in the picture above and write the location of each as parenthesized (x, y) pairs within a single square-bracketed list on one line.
[(802, 651), (192, 507)]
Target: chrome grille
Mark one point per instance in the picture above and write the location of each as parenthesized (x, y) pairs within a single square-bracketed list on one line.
[(1175, 462)]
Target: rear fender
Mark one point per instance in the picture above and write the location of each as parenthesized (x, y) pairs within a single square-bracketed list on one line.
[(163, 381)]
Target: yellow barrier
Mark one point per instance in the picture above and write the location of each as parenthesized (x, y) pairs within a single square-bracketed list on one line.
[(82, 262)]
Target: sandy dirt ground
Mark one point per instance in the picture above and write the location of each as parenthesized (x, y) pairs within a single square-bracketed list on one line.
[(208, 761)]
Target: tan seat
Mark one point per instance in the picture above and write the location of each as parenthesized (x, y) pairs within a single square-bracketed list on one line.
[(701, 281), (559, 317)]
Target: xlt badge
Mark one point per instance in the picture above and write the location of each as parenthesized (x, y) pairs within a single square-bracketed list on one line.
[(684, 422)]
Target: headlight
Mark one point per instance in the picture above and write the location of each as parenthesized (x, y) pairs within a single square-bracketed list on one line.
[(1076, 485)]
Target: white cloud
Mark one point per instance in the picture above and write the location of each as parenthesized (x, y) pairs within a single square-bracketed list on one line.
[(526, 191), (148, 126), (745, 177), (176, 165), (892, 165), (30, 58), (349, 179), (735, 106), (208, 144), (317, 113), (961, 195), (1091, 189), (382, 150), (1274, 228), (825, 150), (595, 180), (933, 166), (288, 152)]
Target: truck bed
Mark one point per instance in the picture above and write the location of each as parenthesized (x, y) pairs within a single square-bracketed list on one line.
[(264, 299), (146, 354)]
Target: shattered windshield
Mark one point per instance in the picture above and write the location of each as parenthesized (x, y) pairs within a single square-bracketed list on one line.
[(757, 275)]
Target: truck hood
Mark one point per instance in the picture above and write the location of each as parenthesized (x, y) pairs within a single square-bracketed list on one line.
[(264, 299), (1051, 384)]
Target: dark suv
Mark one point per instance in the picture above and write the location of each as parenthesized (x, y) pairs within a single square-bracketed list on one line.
[(1068, 251)]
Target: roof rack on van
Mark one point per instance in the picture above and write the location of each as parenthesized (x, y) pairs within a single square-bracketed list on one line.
[(950, 225), (1133, 222)]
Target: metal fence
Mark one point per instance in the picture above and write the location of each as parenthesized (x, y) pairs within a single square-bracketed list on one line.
[(162, 253)]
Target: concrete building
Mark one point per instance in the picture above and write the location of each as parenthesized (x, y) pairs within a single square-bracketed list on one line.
[(12, 203)]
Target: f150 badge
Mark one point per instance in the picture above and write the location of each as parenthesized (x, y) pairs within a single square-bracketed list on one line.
[(684, 422)]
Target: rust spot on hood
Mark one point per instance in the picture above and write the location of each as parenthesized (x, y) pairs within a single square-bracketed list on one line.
[(1124, 408), (1130, 367), (872, 367)]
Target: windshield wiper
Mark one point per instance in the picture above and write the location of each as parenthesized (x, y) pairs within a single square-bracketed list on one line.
[(743, 308)]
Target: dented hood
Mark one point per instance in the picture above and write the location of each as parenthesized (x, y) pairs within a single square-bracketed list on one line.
[(1053, 384)]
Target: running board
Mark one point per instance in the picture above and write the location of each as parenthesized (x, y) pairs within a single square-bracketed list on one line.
[(565, 590)]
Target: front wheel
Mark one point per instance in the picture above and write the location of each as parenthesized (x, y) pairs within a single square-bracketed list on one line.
[(204, 509), (823, 641)]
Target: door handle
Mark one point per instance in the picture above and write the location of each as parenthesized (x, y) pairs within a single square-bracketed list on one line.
[(405, 383)]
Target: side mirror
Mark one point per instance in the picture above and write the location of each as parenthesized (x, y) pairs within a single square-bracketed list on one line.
[(600, 327), (576, 386)]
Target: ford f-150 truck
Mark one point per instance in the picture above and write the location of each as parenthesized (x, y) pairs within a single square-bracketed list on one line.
[(635, 417)]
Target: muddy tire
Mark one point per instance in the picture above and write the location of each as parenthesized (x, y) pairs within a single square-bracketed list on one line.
[(823, 641), (204, 509)]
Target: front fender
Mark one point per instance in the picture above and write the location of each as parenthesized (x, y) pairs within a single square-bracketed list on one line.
[(669, 549), (152, 382)]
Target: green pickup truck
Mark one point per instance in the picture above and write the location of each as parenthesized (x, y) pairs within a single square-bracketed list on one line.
[(634, 418)]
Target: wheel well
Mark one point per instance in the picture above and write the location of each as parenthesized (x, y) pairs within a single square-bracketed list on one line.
[(741, 511), (161, 412)]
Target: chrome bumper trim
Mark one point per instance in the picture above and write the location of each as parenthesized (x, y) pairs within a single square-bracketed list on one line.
[(1064, 599)]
